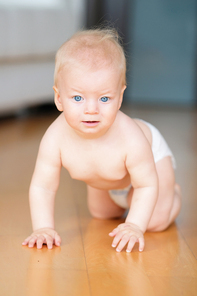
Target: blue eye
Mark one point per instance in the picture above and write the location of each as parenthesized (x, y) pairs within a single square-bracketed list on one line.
[(104, 99), (77, 98)]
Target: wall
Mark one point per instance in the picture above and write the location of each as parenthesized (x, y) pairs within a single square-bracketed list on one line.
[(163, 44)]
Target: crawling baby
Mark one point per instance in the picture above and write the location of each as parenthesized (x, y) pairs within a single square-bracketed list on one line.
[(125, 162)]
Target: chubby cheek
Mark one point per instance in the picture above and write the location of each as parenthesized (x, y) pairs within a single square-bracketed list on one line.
[(72, 116), (110, 114)]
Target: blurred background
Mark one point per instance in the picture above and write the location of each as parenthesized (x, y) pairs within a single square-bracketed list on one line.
[(160, 40)]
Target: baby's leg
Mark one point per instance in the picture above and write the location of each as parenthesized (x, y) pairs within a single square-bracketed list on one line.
[(169, 200), (101, 205)]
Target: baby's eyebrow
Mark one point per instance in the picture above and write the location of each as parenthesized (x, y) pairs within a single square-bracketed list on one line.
[(75, 89), (108, 93), (100, 92)]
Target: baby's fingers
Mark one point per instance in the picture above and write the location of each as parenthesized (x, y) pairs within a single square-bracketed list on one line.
[(114, 232), (32, 242), (49, 242), (141, 244), (40, 241), (132, 242), (125, 239), (57, 240), (26, 241), (116, 239)]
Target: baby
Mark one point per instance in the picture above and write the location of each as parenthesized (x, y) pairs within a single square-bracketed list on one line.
[(125, 162)]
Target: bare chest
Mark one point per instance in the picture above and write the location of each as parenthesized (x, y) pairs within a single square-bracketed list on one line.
[(94, 164)]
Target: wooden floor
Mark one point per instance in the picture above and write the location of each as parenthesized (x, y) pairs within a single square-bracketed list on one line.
[(85, 264)]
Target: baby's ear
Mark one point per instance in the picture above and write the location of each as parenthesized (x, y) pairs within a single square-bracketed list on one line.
[(121, 95), (57, 99)]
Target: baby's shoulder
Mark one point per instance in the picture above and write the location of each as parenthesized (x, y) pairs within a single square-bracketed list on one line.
[(137, 141), (54, 132), (134, 130), (128, 125)]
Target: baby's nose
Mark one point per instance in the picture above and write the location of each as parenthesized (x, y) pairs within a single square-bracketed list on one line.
[(91, 107)]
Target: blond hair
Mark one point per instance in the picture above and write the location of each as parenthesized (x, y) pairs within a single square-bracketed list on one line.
[(95, 48)]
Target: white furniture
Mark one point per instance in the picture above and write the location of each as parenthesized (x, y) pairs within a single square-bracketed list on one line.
[(29, 38)]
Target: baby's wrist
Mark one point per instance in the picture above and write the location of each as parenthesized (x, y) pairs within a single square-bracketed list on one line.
[(135, 224), (43, 228)]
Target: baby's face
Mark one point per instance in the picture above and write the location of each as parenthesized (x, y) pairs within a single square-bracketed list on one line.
[(89, 99)]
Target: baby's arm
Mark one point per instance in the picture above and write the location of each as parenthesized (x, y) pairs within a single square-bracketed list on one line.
[(44, 184), (145, 183)]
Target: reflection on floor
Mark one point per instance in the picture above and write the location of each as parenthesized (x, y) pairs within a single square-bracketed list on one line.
[(85, 264)]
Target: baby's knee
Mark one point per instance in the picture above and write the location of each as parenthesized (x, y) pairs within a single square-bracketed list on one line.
[(98, 215), (158, 225), (160, 220), (163, 220)]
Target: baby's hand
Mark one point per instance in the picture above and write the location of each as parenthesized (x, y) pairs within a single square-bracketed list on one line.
[(42, 236), (127, 233)]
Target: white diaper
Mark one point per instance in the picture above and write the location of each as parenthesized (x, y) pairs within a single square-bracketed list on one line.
[(160, 150), (119, 196)]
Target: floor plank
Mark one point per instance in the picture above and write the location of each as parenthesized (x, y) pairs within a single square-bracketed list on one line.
[(27, 271), (166, 256), (180, 130), (86, 264)]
